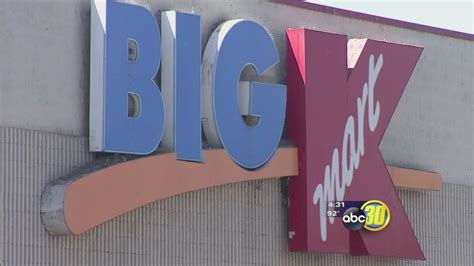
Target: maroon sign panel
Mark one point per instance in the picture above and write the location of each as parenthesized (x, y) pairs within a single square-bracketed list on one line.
[(341, 97)]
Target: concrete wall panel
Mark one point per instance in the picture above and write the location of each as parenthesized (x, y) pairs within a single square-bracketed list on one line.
[(45, 71), (238, 224)]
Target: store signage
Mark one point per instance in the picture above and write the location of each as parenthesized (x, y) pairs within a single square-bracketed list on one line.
[(341, 96), (130, 115)]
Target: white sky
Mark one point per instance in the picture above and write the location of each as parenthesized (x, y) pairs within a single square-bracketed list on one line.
[(455, 15)]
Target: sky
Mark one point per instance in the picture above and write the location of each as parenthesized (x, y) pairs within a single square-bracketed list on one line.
[(455, 15)]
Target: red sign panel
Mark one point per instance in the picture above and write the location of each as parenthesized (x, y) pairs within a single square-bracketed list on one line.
[(341, 97)]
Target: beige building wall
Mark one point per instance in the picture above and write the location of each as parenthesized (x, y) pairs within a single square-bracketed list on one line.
[(239, 224), (44, 79)]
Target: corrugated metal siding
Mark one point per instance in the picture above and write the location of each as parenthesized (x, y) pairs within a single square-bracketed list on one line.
[(239, 224)]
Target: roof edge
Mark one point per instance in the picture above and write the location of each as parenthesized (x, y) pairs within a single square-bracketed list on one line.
[(377, 19)]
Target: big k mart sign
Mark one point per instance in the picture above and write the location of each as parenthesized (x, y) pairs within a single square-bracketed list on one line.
[(339, 98)]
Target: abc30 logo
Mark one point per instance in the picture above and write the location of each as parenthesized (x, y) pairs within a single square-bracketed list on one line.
[(373, 215)]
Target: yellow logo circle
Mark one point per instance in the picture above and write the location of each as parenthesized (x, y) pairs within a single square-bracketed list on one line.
[(377, 215)]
